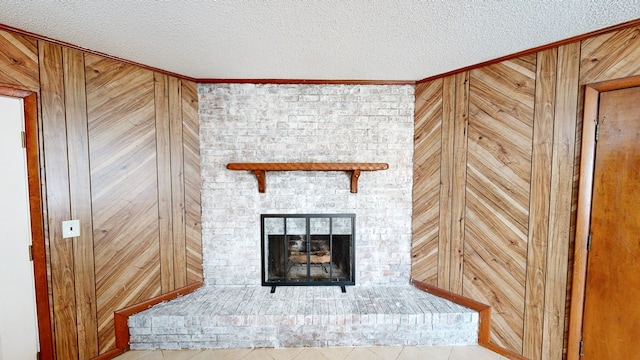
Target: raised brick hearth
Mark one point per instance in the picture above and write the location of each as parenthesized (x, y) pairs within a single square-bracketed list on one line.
[(247, 317)]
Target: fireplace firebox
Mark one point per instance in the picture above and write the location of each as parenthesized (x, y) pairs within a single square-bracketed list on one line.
[(308, 249)]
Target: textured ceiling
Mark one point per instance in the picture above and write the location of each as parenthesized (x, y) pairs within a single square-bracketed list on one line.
[(313, 39)]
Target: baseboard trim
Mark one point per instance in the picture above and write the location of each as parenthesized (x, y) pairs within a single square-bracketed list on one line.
[(484, 317), (121, 317)]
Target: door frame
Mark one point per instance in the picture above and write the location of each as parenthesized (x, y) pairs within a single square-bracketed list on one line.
[(583, 219), (30, 108)]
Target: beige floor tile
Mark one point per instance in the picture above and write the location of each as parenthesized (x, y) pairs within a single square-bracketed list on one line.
[(425, 352), (141, 355), (363, 353), (333, 353), (257, 354), (386, 352), (181, 354), (284, 354), (472, 353), (312, 354), (222, 354)]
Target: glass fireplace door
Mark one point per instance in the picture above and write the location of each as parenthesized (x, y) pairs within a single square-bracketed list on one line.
[(302, 249)]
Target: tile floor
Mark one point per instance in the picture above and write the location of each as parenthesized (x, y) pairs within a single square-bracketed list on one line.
[(469, 352)]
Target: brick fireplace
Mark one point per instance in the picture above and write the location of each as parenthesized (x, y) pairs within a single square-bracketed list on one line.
[(306, 123), (244, 123)]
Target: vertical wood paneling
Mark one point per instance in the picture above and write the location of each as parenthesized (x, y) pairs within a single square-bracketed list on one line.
[(80, 196), (191, 146), (177, 183), (561, 198), (610, 56), (427, 135), (19, 61), (460, 127), (58, 202), (121, 116), (163, 160), (539, 202), (446, 181)]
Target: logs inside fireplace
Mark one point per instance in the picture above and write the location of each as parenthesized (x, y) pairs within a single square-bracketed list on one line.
[(308, 249)]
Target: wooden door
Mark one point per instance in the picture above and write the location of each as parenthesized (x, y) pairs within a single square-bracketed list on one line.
[(611, 321), (18, 321)]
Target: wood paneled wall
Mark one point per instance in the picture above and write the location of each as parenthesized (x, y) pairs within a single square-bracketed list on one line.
[(120, 151), (495, 181)]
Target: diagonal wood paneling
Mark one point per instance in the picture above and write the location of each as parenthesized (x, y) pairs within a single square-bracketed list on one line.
[(191, 145), (501, 103), (121, 117), (426, 174), (19, 61), (518, 187), (610, 56), (105, 143)]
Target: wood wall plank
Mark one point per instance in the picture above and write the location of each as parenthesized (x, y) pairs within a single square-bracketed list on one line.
[(121, 117), (458, 198), (58, 202), (539, 203), (80, 196), (561, 198), (446, 181), (19, 61), (427, 135), (163, 159), (193, 210), (177, 183)]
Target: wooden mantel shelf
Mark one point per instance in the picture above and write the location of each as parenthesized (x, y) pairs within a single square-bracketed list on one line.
[(260, 169)]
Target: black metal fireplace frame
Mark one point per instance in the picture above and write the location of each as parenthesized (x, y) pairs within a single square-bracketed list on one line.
[(341, 283)]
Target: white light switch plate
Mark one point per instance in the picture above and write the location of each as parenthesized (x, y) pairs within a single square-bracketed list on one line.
[(70, 228)]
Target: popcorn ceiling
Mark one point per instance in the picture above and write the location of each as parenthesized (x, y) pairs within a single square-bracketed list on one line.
[(288, 39)]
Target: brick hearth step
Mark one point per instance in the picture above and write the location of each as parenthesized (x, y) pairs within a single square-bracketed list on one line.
[(249, 317)]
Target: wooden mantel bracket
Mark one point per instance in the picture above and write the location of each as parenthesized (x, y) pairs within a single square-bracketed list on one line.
[(260, 170)]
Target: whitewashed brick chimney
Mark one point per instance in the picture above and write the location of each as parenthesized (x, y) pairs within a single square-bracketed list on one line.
[(306, 123)]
